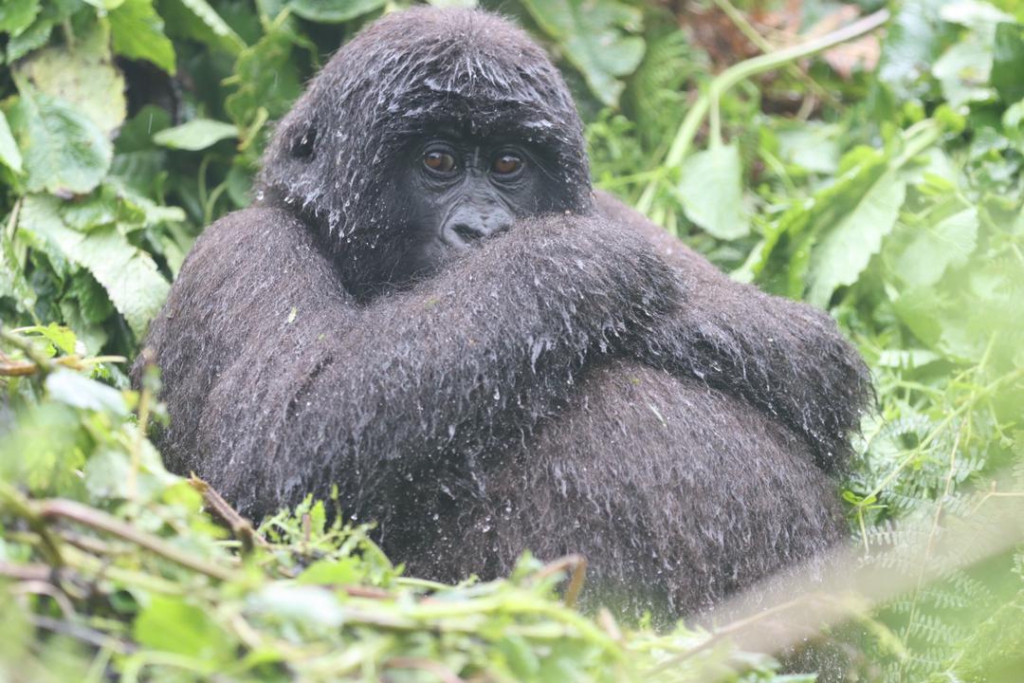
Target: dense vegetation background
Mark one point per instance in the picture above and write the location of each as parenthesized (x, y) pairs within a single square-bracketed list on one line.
[(879, 178)]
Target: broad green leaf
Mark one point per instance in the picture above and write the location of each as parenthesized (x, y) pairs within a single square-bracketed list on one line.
[(844, 252), (333, 11), (915, 38), (36, 35), (138, 161), (964, 71), (595, 37), (10, 155), (267, 78), (60, 337), (170, 624), (127, 273), (13, 282), (197, 20), (138, 33), (711, 191), (341, 572), (17, 15), (80, 392), (1008, 58), (62, 150), (83, 76), (934, 249), (196, 134), (811, 145)]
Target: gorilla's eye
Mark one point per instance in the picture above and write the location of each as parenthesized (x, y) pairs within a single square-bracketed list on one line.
[(442, 162), (507, 164)]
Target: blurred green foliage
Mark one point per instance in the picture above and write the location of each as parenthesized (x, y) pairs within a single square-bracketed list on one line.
[(889, 194)]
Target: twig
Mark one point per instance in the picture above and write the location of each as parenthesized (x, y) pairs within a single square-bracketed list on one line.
[(739, 72), (223, 512), (83, 633), (751, 33), (577, 567), (101, 521)]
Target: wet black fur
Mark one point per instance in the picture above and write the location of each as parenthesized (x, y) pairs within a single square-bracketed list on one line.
[(583, 383)]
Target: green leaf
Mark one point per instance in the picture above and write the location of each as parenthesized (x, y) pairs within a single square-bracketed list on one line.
[(10, 156), (347, 570), (71, 388), (915, 38), (197, 20), (138, 33), (29, 39), (83, 76), (934, 249), (267, 78), (13, 282), (711, 191), (170, 624), (17, 15), (62, 150), (196, 134), (963, 71), (127, 273), (61, 337), (1008, 56), (333, 11), (591, 33), (811, 145), (845, 251)]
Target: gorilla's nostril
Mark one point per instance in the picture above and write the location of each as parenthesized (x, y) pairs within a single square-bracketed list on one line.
[(467, 232)]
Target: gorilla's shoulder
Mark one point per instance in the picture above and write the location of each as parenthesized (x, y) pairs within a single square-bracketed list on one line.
[(253, 233)]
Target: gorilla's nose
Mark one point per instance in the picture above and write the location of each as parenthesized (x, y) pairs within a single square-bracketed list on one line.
[(471, 228)]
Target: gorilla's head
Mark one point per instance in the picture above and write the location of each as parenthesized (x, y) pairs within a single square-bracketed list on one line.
[(430, 130)]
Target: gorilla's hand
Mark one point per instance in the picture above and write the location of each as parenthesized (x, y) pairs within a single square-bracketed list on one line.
[(784, 357)]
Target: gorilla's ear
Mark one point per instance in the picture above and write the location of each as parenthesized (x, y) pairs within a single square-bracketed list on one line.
[(302, 139)]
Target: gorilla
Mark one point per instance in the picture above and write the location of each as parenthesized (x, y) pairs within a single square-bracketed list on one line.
[(430, 309)]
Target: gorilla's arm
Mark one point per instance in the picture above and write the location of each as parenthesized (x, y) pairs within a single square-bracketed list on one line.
[(283, 386), (786, 358)]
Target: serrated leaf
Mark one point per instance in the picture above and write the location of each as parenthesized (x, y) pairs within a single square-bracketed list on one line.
[(936, 248), (138, 33), (12, 277), (844, 252), (17, 15), (711, 191), (36, 35), (333, 11), (62, 150), (10, 155), (127, 273), (197, 20), (195, 135), (84, 76), (592, 37)]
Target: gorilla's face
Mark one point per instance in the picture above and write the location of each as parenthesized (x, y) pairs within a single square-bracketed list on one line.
[(461, 190), (425, 133)]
